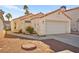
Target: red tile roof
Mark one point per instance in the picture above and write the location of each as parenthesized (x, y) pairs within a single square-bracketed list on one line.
[(41, 15), (24, 17), (37, 15), (72, 9), (31, 16), (54, 12)]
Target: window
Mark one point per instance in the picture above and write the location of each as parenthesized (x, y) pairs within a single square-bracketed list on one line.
[(15, 26), (27, 21)]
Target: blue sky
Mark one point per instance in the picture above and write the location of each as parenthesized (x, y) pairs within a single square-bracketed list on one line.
[(17, 10)]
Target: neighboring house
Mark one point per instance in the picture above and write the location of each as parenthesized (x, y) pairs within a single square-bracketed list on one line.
[(1, 25), (2, 32), (74, 14), (17, 24), (55, 22), (7, 25), (1, 22)]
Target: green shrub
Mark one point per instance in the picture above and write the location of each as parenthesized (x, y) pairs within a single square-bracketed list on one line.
[(7, 29), (30, 30)]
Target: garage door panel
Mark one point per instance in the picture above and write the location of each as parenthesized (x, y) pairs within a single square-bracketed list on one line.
[(55, 27)]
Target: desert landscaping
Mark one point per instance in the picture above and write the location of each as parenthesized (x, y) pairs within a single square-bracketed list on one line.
[(9, 45)]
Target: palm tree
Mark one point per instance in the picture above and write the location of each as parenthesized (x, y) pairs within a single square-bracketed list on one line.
[(26, 9), (63, 7), (1, 11), (8, 16), (1, 17), (1, 14)]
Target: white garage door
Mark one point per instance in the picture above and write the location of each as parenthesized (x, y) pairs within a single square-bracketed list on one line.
[(56, 27)]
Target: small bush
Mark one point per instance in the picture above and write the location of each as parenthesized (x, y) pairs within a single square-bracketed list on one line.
[(7, 29), (30, 29)]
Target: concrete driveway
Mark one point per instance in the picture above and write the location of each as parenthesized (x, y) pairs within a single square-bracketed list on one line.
[(70, 39)]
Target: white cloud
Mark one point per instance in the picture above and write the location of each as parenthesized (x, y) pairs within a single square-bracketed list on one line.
[(14, 10), (13, 7)]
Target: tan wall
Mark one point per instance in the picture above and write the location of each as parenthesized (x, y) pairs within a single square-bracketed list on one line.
[(20, 25), (39, 26), (17, 24), (12, 26), (2, 32), (24, 26)]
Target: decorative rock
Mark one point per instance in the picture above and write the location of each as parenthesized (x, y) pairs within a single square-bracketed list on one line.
[(29, 46)]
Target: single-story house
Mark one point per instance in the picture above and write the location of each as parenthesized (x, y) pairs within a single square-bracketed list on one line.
[(74, 14), (55, 22), (17, 24), (21, 23), (27, 22)]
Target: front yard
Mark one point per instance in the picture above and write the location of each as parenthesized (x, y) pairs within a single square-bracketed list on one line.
[(53, 43), (13, 45)]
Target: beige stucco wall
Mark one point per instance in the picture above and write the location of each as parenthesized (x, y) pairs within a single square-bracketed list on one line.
[(20, 25), (74, 14), (16, 23), (25, 25), (40, 27), (12, 26), (2, 31)]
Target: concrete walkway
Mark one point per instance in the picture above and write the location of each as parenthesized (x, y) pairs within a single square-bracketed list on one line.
[(24, 35), (70, 39)]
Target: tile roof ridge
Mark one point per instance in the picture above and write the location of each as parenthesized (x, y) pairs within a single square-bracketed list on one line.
[(67, 16), (23, 16), (72, 9)]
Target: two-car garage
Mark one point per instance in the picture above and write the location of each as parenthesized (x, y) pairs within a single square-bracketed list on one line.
[(57, 27), (53, 23)]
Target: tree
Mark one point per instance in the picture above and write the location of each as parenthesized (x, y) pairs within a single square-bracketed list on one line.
[(1, 11), (26, 9), (8, 16), (1, 17), (1, 14), (63, 7)]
